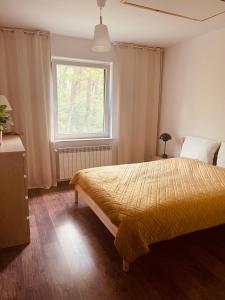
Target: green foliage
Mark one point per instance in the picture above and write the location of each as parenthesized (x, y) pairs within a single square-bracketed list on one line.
[(5, 119), (80, 92)]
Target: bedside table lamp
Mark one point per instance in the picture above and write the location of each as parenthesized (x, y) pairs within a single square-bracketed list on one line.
[(5, 118), (165, 137)]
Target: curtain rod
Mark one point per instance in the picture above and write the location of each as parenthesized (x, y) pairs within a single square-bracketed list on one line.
[(139, 46), (26, 31)]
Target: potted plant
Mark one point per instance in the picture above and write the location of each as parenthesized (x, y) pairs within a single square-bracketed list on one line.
[(5, 120)]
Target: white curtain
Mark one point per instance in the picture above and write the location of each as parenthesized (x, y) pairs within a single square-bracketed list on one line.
[(138, 74), (25, 80)]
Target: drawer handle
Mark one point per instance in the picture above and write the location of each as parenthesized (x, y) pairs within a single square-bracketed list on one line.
[(26, 197), (24, 154), (25, 176)]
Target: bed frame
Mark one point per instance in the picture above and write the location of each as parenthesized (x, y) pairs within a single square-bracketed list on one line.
[(79, 192)]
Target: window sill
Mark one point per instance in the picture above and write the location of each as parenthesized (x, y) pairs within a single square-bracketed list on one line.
[(56, 144), (82, 140)]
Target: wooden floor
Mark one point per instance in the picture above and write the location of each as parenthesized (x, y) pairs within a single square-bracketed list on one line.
[(72, 256)]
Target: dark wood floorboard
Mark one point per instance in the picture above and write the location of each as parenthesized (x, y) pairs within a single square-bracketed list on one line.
[(72, 256)]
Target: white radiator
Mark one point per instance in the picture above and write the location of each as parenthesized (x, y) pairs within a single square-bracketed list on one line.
[(73, 159)]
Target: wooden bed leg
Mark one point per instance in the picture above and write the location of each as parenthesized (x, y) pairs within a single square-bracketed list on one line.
[(76, 197), (126, 266)]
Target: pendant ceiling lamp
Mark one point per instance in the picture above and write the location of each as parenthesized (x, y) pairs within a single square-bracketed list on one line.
[(101, 41)]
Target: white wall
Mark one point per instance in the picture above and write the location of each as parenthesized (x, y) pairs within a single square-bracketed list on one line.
[(193, 96), (71, 47)]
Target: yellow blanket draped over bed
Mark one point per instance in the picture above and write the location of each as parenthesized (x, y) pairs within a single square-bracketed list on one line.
[(155, 201)]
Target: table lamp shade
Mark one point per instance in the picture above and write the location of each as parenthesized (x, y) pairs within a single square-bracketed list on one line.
[(4, 101), (165, 137)]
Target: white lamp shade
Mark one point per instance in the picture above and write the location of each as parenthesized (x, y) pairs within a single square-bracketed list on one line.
[(101, 39), (4, 101)]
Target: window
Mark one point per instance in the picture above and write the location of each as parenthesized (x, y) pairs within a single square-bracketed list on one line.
[(81, 100)]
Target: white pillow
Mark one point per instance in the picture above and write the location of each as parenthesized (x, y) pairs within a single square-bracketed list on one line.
[(199, 148), (221, 156)]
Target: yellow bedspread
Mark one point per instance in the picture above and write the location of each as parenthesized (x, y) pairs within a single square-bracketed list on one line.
[(155, 201)]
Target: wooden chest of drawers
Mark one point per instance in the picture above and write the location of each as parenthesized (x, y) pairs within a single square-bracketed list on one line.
[(14, 214)]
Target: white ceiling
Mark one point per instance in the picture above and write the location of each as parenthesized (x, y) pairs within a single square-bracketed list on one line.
[(195, 9), (128, 24)]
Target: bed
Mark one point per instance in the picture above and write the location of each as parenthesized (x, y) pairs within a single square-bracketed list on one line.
[(148, 202)]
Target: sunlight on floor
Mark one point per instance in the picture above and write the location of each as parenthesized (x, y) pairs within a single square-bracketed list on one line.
[(76, 248)]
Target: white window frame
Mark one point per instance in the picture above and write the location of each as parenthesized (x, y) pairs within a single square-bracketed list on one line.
[(107, 101)]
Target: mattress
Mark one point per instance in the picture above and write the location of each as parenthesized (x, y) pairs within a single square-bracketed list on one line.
[(154, 201)]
